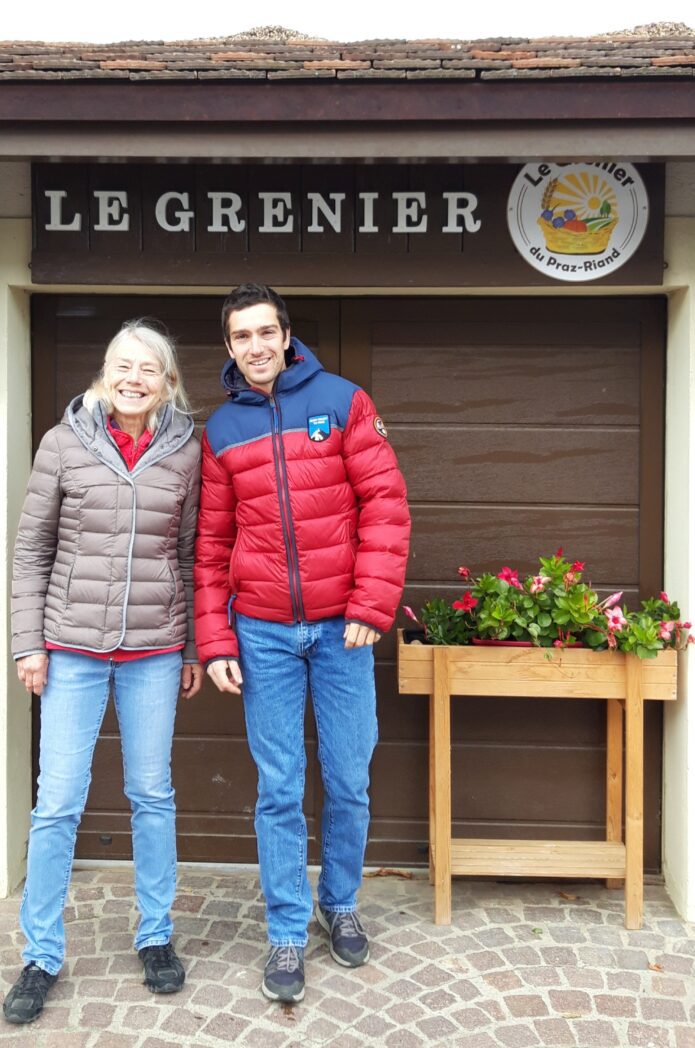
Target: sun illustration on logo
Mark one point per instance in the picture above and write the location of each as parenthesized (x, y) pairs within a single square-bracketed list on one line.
[(579, 214)]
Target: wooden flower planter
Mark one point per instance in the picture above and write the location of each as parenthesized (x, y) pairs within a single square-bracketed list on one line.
[(624, 681)]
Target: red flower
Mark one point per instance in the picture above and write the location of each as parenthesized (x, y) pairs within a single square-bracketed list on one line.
[(410, 613), (664, 596), (511, 577), (464, 572), (559, 551), (578, 565), (467, 603)]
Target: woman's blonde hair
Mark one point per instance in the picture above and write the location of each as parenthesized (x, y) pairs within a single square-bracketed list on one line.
[(162, 347)]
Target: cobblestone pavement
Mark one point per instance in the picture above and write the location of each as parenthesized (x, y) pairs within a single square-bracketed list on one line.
[(521, 965)]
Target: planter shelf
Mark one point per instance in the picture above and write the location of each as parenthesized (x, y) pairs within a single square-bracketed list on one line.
[(624, 681)]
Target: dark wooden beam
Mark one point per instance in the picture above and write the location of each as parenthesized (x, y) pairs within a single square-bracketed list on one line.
[(241, 102)]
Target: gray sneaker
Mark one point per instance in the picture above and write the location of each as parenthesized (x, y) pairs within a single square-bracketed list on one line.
[(283, 978), (348, 943)]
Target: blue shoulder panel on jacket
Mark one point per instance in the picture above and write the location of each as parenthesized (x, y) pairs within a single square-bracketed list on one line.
[(245, 419)]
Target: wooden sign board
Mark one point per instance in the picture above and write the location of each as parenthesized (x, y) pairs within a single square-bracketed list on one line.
[(389, 225)]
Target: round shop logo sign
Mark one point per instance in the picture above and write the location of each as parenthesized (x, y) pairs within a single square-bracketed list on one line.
[(577, 221)]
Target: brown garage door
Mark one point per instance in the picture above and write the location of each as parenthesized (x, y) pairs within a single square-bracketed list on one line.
[(521, 425)]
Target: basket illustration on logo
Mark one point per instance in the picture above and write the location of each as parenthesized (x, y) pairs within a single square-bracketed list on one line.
[(579, 214)]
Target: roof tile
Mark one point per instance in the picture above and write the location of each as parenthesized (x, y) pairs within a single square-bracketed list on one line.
[(274, 53)]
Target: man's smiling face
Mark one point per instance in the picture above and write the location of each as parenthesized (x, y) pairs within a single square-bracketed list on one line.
[(257, 344)]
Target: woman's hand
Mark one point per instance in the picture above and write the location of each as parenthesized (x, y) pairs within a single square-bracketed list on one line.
[(32, 670), (191, 679)]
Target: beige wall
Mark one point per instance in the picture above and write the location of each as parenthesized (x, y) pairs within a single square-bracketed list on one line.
[(15, 452), (679, 283)]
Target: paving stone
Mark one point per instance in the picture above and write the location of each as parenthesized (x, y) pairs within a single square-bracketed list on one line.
[(543, 975), (662, 1008), (403, 1039), (141, 1017), (471, 1018), (525, 1005), (595, 1033), (669, 986), (437, 1028), (183, 1021), (583, 978), (373, 1026), (573, 1001), (520, 1036), (485, 960), (503, 980), (623, 981), (616, 1005), (554, 1032), (635, 959), (262, 1038), (405, 1012), (225, 1027), (685, 1036), (96, 1015), (671, 962), (642, 1036)]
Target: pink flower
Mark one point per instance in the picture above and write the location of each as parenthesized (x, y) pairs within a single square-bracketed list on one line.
[(687, 625), (410, 613), (511, 577), (615, 620), (557, 643), (464, 572), (538, 583), (466, 603), (613, 599), (664, 596), (665, 630), (569, 578)]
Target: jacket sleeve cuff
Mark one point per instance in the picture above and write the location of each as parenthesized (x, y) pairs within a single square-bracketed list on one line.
[(220, 658)]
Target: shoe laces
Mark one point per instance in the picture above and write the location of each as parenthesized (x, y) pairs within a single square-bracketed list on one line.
[(285, 958), (32, 978), (161, 956), (347, 925)]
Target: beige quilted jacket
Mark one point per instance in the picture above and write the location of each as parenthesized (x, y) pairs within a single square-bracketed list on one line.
[(104, 557)]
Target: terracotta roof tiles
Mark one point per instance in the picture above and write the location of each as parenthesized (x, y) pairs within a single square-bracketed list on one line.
[(666, 51)]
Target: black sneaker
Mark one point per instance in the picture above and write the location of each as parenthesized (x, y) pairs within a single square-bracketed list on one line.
[(163, 970), (26, 999), (283, 978), (349, 945)]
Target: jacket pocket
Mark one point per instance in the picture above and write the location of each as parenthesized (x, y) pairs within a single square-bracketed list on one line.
[(68, 581), (172, 584)]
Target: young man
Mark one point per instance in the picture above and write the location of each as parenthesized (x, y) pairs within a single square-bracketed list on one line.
[(300, 562)]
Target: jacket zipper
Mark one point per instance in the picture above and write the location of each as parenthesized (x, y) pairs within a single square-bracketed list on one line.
[(285, 511)]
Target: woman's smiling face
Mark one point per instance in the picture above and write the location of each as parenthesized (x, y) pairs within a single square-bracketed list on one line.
[(134, 381)]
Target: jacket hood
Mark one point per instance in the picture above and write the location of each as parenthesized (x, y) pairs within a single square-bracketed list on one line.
[(301, 365), (174, 428)]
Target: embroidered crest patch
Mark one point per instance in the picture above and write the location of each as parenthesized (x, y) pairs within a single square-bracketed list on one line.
[(319, 427), (380, 427)]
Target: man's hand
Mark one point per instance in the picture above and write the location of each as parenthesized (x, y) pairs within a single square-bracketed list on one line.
[(32, 670), (357, 635), (191, 679), (226, 675)]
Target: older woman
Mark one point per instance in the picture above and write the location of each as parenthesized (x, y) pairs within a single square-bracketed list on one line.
[(102, 603)]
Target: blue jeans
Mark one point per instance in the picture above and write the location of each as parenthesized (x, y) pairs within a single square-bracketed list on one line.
[(72, 709), (277, 661)]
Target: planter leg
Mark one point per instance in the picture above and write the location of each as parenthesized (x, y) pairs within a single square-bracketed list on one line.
[(614, 777), (440, 786), (634, 793)]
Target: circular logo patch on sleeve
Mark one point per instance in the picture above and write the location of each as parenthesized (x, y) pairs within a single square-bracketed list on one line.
[(380, 427)]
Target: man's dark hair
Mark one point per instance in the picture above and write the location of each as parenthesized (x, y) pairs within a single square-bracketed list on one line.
[(253, 295)]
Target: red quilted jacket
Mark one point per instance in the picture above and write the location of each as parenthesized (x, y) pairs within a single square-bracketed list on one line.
[(303, 511)]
